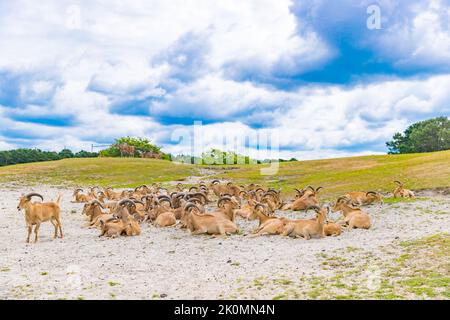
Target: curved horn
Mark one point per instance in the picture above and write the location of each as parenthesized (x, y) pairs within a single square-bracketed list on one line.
[(146, 197), (271, 192), (309, 187), (222, 199), (200, 194), (193, 188), (166, 200), (317, 190), (398, 182), (126, 201), (225, 195), (138, 201), (215, 181), (190, 205), (195, 200), (299, 191), (260, 205), (34, 194), (315, 208), (342, 198), (97, 203), (371, 192)]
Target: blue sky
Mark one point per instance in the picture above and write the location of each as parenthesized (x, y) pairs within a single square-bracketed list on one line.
[(78, 73)]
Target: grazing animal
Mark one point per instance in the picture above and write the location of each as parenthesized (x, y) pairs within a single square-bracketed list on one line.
[(353, 217), (207, 223), (307, 228), (401, 192), (36, 213), (268, 225), (83, 198), (363, 198), (305, 199)]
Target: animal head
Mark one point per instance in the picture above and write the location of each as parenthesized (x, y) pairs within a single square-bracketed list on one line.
[(165, 200), (340, 202), (322, 213), (88, 207), (374, 196), (77, 191), (215, 182), (25, 199), (261, 209), (400, 184), (230, 201)]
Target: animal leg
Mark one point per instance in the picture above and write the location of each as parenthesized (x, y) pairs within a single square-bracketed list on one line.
[(60, 228), (287, 230), (30, 228), (198, 231), (36, 230), (56, 228)]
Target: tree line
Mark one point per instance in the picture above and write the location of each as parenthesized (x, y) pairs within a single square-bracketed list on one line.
[(424, 136), (36, 155)]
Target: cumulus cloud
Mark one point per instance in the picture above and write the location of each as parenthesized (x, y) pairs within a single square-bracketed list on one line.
[(76, 74), (419, 36)]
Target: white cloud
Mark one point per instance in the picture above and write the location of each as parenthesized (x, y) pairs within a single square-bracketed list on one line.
[(315, 121), (83, 59), (421, 39), (5, 146)]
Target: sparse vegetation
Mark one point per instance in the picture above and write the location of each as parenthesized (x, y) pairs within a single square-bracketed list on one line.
[(337, 176), (416, 269)]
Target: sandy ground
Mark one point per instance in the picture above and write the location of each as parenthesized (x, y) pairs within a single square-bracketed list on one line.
[(170, 263)]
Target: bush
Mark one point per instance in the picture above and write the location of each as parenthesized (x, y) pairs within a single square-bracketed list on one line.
[(140, 145)]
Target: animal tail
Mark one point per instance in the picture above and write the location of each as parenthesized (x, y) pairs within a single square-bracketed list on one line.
[(58, 200)]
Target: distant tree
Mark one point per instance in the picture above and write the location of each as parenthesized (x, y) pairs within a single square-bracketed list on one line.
[(35, 155), (424, 136), (66, 153), (216, 156), (85, 154), (135, 147)]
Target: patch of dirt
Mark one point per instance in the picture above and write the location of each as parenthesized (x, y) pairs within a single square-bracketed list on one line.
[(173, 264), (436, 192)]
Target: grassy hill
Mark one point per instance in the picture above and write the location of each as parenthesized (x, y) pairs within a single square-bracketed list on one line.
[(417, 171)]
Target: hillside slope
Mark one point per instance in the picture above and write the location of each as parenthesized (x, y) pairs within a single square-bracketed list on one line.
[(417, 171)]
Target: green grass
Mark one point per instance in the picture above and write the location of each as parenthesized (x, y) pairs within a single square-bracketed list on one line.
[(337, 176), (115, 172), (398, 200), (113, 283)]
